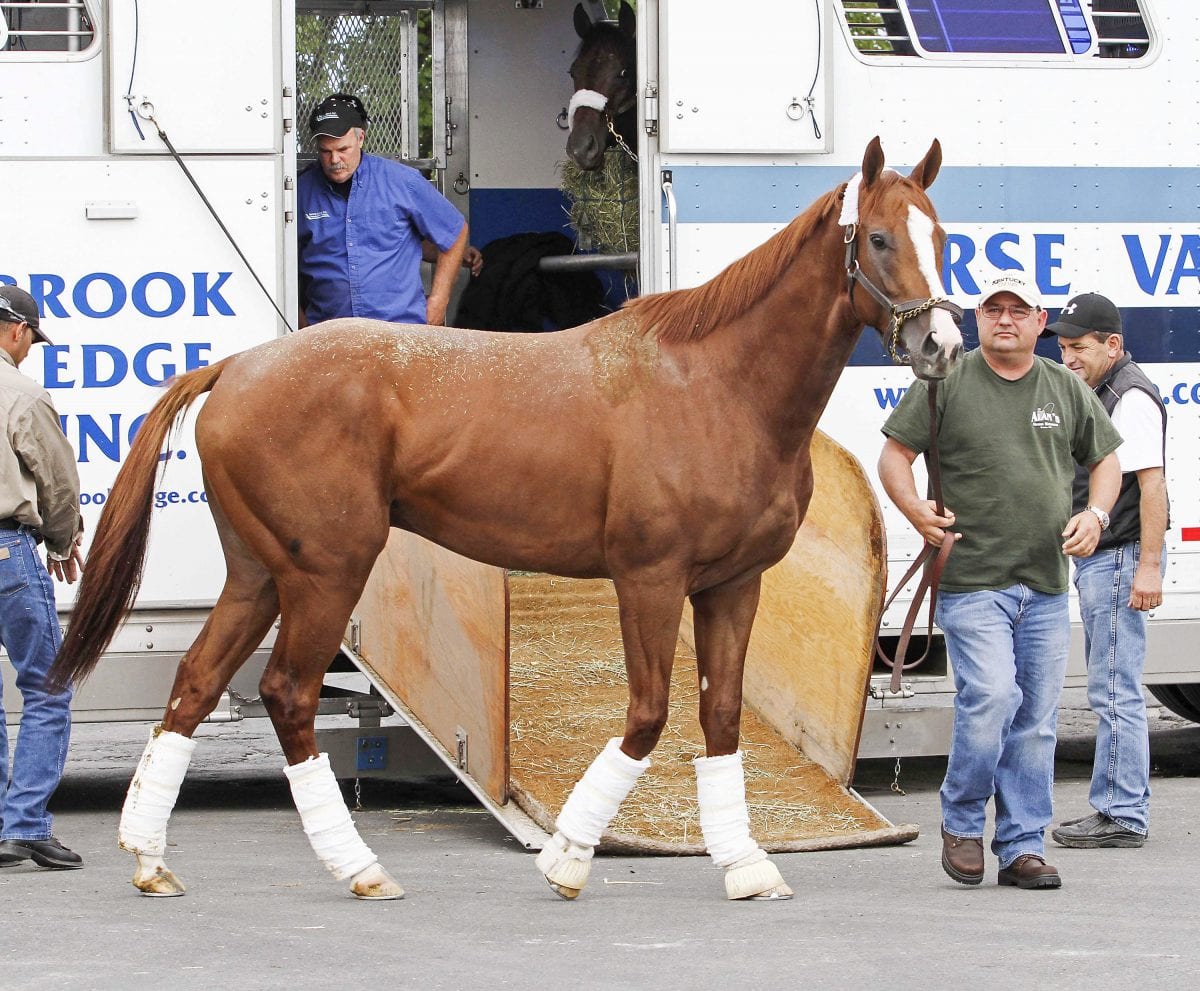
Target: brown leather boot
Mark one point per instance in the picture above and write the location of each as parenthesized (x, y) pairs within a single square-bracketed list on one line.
[(1029, 871), (962, 857)]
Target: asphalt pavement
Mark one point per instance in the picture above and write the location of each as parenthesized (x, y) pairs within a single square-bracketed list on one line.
[(261, 912)]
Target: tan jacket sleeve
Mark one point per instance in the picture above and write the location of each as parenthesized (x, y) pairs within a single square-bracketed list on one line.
[(40, 443)]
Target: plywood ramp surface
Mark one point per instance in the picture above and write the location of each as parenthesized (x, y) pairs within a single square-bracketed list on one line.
[(568, 697)]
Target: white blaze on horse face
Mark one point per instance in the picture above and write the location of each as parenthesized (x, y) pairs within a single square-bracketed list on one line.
[(920, 231)]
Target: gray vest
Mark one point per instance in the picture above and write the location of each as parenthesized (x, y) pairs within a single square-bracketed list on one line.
[(1126, 518)]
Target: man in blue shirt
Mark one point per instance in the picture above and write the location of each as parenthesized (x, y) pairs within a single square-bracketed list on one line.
[(365, 223)]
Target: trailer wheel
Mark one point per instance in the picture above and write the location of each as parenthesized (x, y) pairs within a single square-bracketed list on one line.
[(1183, 700)]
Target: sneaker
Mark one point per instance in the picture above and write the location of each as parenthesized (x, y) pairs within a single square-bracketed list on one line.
[(45, 853), (1096, 831), (962, 857), (1029, 871)]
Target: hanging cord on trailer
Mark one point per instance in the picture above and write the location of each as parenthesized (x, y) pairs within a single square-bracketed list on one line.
[(146, 112), (809, 101), (133, 72)]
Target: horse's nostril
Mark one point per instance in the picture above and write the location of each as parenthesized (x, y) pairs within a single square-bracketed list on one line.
[(930, 347)]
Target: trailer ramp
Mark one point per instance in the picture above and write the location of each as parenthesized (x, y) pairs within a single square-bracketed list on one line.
[(517, 680)]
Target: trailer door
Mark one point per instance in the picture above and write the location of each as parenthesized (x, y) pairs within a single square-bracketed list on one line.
[(733, 95)]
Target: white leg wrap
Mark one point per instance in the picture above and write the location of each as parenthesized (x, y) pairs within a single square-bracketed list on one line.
[(585, 98), (153, 792), (594, 801), (725, 823), (724, 819), (566, 859), (326, 819)]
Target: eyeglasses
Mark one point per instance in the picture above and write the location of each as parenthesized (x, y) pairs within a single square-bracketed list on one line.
[(994, 311)]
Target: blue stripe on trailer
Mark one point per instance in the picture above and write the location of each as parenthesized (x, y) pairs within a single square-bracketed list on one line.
[(727, 194), (1152, 334)]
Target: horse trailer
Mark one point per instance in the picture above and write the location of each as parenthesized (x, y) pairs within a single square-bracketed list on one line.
[(156, 147)]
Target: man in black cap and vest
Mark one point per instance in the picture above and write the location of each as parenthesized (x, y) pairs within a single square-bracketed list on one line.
[(39, 501), (1122, 580)]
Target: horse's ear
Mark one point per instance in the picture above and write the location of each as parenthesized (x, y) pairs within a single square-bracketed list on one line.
[(583, 23), (872, 162), (627, 19), (927, 169)]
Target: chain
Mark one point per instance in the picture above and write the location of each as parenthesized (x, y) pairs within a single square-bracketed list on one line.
[(358, 794), (240, 699), (620, 140), (898, 318), (896, 780)]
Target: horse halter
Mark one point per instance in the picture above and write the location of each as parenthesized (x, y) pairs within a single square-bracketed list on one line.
[(899, 312)]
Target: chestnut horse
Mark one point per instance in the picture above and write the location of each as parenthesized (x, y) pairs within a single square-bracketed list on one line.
[(604, 104), (665, 446)]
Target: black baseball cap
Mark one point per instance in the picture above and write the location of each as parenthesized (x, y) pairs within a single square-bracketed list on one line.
[(1084, 314), (17, 306), (337, 114)]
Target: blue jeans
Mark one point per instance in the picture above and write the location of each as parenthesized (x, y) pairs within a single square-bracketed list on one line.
[(1008, 649), (29, 632), (1115, 638)]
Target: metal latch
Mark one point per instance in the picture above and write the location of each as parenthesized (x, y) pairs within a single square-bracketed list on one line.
[(353, 635)]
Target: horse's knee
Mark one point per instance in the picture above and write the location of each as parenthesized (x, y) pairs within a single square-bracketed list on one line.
[(280, 697), (193, 697), (643, 728)]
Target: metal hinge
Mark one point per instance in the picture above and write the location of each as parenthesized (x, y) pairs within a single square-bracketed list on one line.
[(289, 199), (460, 742), (882, 691), (353, 635), (289, 109), (651, 106)]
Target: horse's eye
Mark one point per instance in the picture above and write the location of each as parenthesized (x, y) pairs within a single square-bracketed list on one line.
[(878, 241), (624, 73)]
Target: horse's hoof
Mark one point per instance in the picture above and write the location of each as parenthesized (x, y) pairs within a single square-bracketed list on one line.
[(759, 881), (563, 892), (566, 875), (779, 893), (159, 883), (375, 884)]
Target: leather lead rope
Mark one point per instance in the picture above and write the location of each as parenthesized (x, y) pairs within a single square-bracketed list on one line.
[(930, 562)]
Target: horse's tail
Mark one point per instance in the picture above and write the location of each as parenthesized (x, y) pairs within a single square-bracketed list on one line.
[(113, 572)]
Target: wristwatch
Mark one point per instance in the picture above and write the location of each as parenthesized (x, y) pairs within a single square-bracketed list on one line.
[(1101, 515)]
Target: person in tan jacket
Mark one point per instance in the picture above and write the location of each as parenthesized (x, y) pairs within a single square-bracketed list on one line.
[(39, 502)]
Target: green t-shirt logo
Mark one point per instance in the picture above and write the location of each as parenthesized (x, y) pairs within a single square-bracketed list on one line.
[(1044, 417)]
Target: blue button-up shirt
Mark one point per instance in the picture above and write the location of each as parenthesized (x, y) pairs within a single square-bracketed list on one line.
[(361, 256)]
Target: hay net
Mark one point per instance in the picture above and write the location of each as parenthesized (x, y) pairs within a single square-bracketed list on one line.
[(603, 203)]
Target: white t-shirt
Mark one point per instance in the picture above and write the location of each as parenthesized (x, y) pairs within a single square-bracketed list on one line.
[(1139, 422)]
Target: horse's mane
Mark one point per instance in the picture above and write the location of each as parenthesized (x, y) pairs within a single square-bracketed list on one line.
[(689, 314)]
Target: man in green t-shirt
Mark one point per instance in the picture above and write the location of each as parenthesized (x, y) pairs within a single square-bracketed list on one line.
[(1011, 428)]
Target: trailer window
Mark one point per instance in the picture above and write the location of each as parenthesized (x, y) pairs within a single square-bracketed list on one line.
[(1070, 31), (46, 29)]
